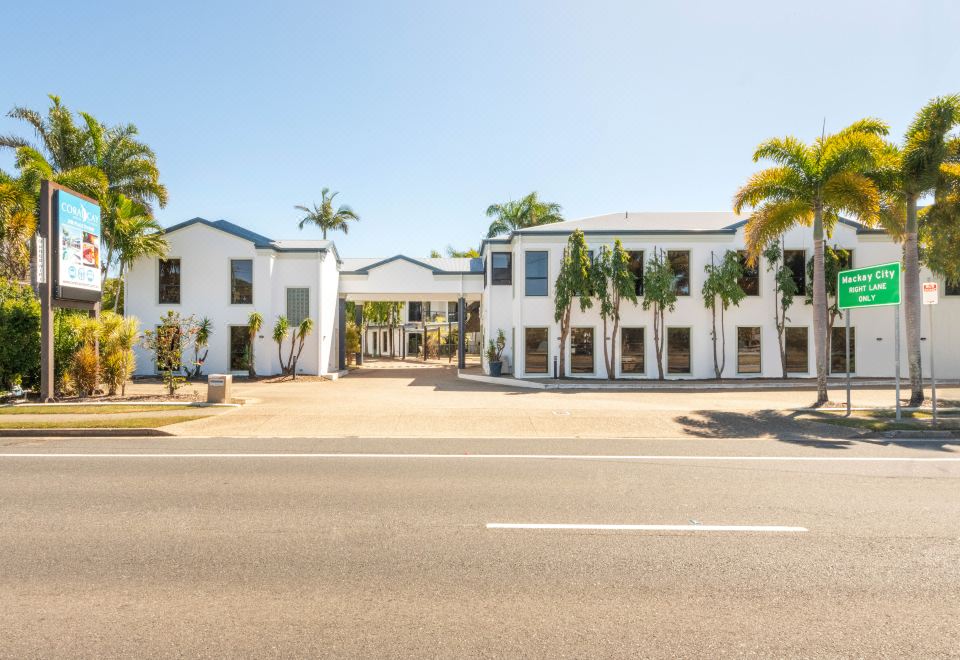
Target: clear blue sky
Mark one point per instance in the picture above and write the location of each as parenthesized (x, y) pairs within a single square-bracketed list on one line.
[(422, 114)]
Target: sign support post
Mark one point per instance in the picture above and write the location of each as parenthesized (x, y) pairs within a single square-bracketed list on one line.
[(896, 323), (931, 296), (45, 291), (847, 349), (872, 286)]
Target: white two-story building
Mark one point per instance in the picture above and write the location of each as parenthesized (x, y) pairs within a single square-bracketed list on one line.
[(223, 272)]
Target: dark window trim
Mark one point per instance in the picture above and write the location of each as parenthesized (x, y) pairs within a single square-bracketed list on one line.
[(807, 351), (619, 366), (689, 254), (508, 268), (230, 263), (160, 301), (526, 370), (666, 331), (527, 279), (593, 351), (760, 370), (801, 292), (756, 275)]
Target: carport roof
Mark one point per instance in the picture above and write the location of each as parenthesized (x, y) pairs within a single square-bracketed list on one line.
[(439, 266)]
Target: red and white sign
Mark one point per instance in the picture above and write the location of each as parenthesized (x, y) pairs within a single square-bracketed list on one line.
[(931, 293)]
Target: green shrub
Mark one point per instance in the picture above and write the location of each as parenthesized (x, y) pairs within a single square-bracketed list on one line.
[(19, 334)]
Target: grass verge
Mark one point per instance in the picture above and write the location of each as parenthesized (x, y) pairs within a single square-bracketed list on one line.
[(884, 420), (104, 423), (82, 409)]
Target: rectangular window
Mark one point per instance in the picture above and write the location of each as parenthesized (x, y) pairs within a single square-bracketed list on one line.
[(536, 350), (502, 267), (797, 348), (581, 350), (239, 348), (748, 350), (750, 280), (951, 289), (169, 281), (298, 305), (241, 281), (536, 273), (838, 348), (452, 311), (631, 351), (678, 350), (796, 261), (636, 267), (414, 312), (679, 261)]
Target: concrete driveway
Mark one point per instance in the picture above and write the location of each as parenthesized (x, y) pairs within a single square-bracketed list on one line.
[(396, 399)]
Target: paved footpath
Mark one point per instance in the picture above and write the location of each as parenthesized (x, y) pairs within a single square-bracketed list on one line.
[(432, 402), (435, 547)]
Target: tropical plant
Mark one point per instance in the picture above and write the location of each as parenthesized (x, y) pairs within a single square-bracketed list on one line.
[(784, 290), (573, 281), (84, 368), (455, 253), (906, 173), (18, 222), (199, 333), (118, 336), (300, 336), (835, 259), (660, 294), (280, 330), (812, 184), (721, 288), (325, 217), (495, 348), (19, 334), (612, 283), (352, 343), (134, 235), (254, 323), (528, 211), (167, 342)]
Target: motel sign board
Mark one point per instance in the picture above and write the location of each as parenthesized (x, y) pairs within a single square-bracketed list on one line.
[(873, 286)]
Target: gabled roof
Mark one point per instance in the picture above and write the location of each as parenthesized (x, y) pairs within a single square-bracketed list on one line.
[(441, 266), (259, 240)]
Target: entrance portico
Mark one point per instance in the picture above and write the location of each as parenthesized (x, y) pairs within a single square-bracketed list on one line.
[(430, 283)]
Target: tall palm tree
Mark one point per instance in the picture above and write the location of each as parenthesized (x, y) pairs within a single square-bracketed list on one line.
[(812, 184), (324, 217), (135, 234), (905, 174), (528, 211), (18, 222)]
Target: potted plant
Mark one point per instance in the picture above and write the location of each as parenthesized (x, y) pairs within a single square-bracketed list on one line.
[(495, 352)]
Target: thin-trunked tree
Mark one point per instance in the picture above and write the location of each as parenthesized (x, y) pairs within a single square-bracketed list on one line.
[(811, 185), (835, 259), (660, 294), (784, 290), (722, 287), (613, 282), (573, 281), (254, 323)]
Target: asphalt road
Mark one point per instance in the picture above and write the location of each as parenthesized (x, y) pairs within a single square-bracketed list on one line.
[(243, 548)]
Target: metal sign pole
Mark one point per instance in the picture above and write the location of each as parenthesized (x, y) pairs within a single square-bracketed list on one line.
[(896, 350), (847, 347), (933, 377)]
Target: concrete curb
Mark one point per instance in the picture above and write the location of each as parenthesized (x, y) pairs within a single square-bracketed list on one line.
[(647, 385), (158, 404), (901, 434), (84, 433)]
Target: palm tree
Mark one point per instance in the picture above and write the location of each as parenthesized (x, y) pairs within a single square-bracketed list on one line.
[(529, 211), (905, 174), (811, 185), (18, 222), (254, 323), (135, 234), (324, 217)]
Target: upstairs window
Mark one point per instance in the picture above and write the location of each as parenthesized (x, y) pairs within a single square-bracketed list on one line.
[(796, 261), (241, 281), (679, 261), (169, 281), (750, 280), (636, 267), (951, 289), (536, 273), (502, 263), (414, 312)]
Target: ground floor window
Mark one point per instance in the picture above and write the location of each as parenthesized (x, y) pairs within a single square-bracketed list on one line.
[(838, 348), (413, 343), (678, 350), (631, 351), (797, 348), (375, 340), (581, 351), (748, 350), (536, 350), (239, 348)]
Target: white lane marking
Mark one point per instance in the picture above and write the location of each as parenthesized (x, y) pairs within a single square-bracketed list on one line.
[(551, 457), (651, 528)]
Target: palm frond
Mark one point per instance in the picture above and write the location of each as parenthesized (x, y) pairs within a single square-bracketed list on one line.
[(771, 184), (771, 220)]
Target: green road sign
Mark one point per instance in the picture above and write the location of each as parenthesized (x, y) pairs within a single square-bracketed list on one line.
[(873, 286)]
